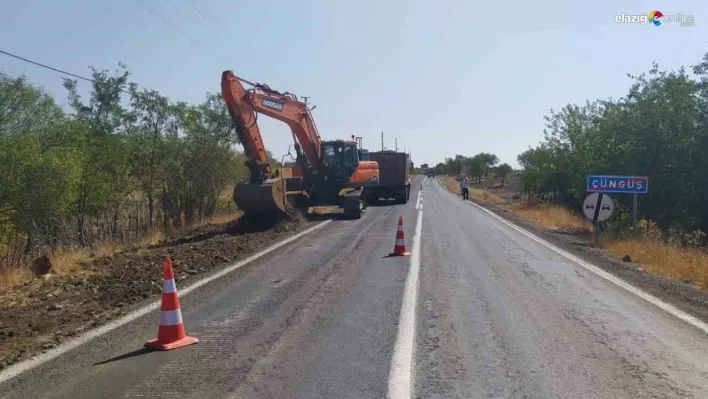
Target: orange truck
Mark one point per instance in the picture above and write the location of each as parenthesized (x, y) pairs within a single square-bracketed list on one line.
[(394, 177)]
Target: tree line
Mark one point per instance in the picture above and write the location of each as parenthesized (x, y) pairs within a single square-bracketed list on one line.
[(659, 129), (475, 166), (112, 167)]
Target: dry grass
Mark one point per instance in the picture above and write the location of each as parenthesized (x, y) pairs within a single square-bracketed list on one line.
[(486, 196), (688, 264), (74, 261), (550, 216), (13, 277), (547, 215), (220, 218)]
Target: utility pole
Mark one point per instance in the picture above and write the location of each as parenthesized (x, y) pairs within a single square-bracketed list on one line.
[(382, 146), (395, 139)]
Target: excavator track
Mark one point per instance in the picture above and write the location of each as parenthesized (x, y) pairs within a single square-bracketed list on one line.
[(353, 204)]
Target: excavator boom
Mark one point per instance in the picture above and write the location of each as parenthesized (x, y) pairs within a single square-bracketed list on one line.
[(244, 118), (324, 168)]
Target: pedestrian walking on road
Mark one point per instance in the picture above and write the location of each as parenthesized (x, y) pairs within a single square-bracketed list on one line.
[(465, 188)]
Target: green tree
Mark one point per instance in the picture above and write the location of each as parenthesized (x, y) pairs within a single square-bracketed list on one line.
[(659, 129), (503, 171), (36, 176), (103, 172), (148, 122)]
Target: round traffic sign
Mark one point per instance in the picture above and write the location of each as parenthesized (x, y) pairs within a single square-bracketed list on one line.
[(598, 207)]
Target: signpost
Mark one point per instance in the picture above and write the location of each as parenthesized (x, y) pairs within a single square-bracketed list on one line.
[(598, 207), (621, 185)]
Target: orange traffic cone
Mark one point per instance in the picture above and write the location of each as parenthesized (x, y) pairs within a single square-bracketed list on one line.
[(400, 248), (170, 334)]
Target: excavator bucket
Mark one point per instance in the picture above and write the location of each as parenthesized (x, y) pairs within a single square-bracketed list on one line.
[(263, 199)]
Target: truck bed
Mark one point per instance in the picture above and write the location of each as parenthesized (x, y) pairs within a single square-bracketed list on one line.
[(394, 176)]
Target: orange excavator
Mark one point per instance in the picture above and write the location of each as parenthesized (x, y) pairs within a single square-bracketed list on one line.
[(323, 169)]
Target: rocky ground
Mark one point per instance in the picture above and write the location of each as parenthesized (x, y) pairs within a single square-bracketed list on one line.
[(44, 312)]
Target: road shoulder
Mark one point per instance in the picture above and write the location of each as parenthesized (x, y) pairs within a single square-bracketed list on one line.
[(682, 295)]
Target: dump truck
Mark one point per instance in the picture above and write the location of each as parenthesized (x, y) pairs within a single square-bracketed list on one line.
[(322, 170), (394, 177)]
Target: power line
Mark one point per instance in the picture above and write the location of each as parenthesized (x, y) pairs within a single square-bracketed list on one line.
[(79, 76), (183, 12), (89, 79), (93, 81), (46, 66), (182, 31), (139, 95), (214, 15)]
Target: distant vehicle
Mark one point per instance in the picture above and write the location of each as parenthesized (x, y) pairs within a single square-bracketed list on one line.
[(431, 173), (394, 177)]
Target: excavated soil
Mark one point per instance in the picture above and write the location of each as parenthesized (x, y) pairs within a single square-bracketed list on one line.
[(42, 313)]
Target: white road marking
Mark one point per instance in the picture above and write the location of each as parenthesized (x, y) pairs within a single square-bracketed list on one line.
[(19, 368), (417, 202), (672, 310), (400, 380)]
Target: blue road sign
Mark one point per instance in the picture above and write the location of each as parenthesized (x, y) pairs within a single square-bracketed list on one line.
[(618, 184)]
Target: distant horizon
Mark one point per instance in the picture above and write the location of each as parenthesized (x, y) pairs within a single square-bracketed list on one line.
[(419, 71)]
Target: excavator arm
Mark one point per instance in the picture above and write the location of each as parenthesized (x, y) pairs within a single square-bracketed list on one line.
[(317, 181), (245, 104)]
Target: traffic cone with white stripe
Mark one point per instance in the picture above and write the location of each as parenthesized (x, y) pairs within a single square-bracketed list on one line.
[(170, 334), (400, 248)]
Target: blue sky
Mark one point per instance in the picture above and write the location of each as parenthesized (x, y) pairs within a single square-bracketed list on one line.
[(445, 77)]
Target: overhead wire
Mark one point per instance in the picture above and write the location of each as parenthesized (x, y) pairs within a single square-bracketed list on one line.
[(172, 25), (213, 15), (93, 81), (45, 66), (39, 64), (183, 12), (194, 41)]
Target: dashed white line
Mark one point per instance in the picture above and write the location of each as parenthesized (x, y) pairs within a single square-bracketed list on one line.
[(400, 380), (19, 368)]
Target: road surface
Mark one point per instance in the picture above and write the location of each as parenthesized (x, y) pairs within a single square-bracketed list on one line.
[(496, 315)]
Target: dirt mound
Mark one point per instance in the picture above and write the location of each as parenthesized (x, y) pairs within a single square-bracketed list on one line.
[(46, 311)]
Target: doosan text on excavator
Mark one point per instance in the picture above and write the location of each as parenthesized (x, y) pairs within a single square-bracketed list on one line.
[(323, 168)]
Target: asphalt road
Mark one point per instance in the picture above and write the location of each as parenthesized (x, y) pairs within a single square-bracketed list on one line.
[(497, 315)]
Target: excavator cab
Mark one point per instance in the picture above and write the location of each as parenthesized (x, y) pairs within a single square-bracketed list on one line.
[(342, 168), (339, 161)]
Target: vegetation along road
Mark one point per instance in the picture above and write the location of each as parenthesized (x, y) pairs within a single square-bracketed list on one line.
[(505, 295), (496, 313)]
